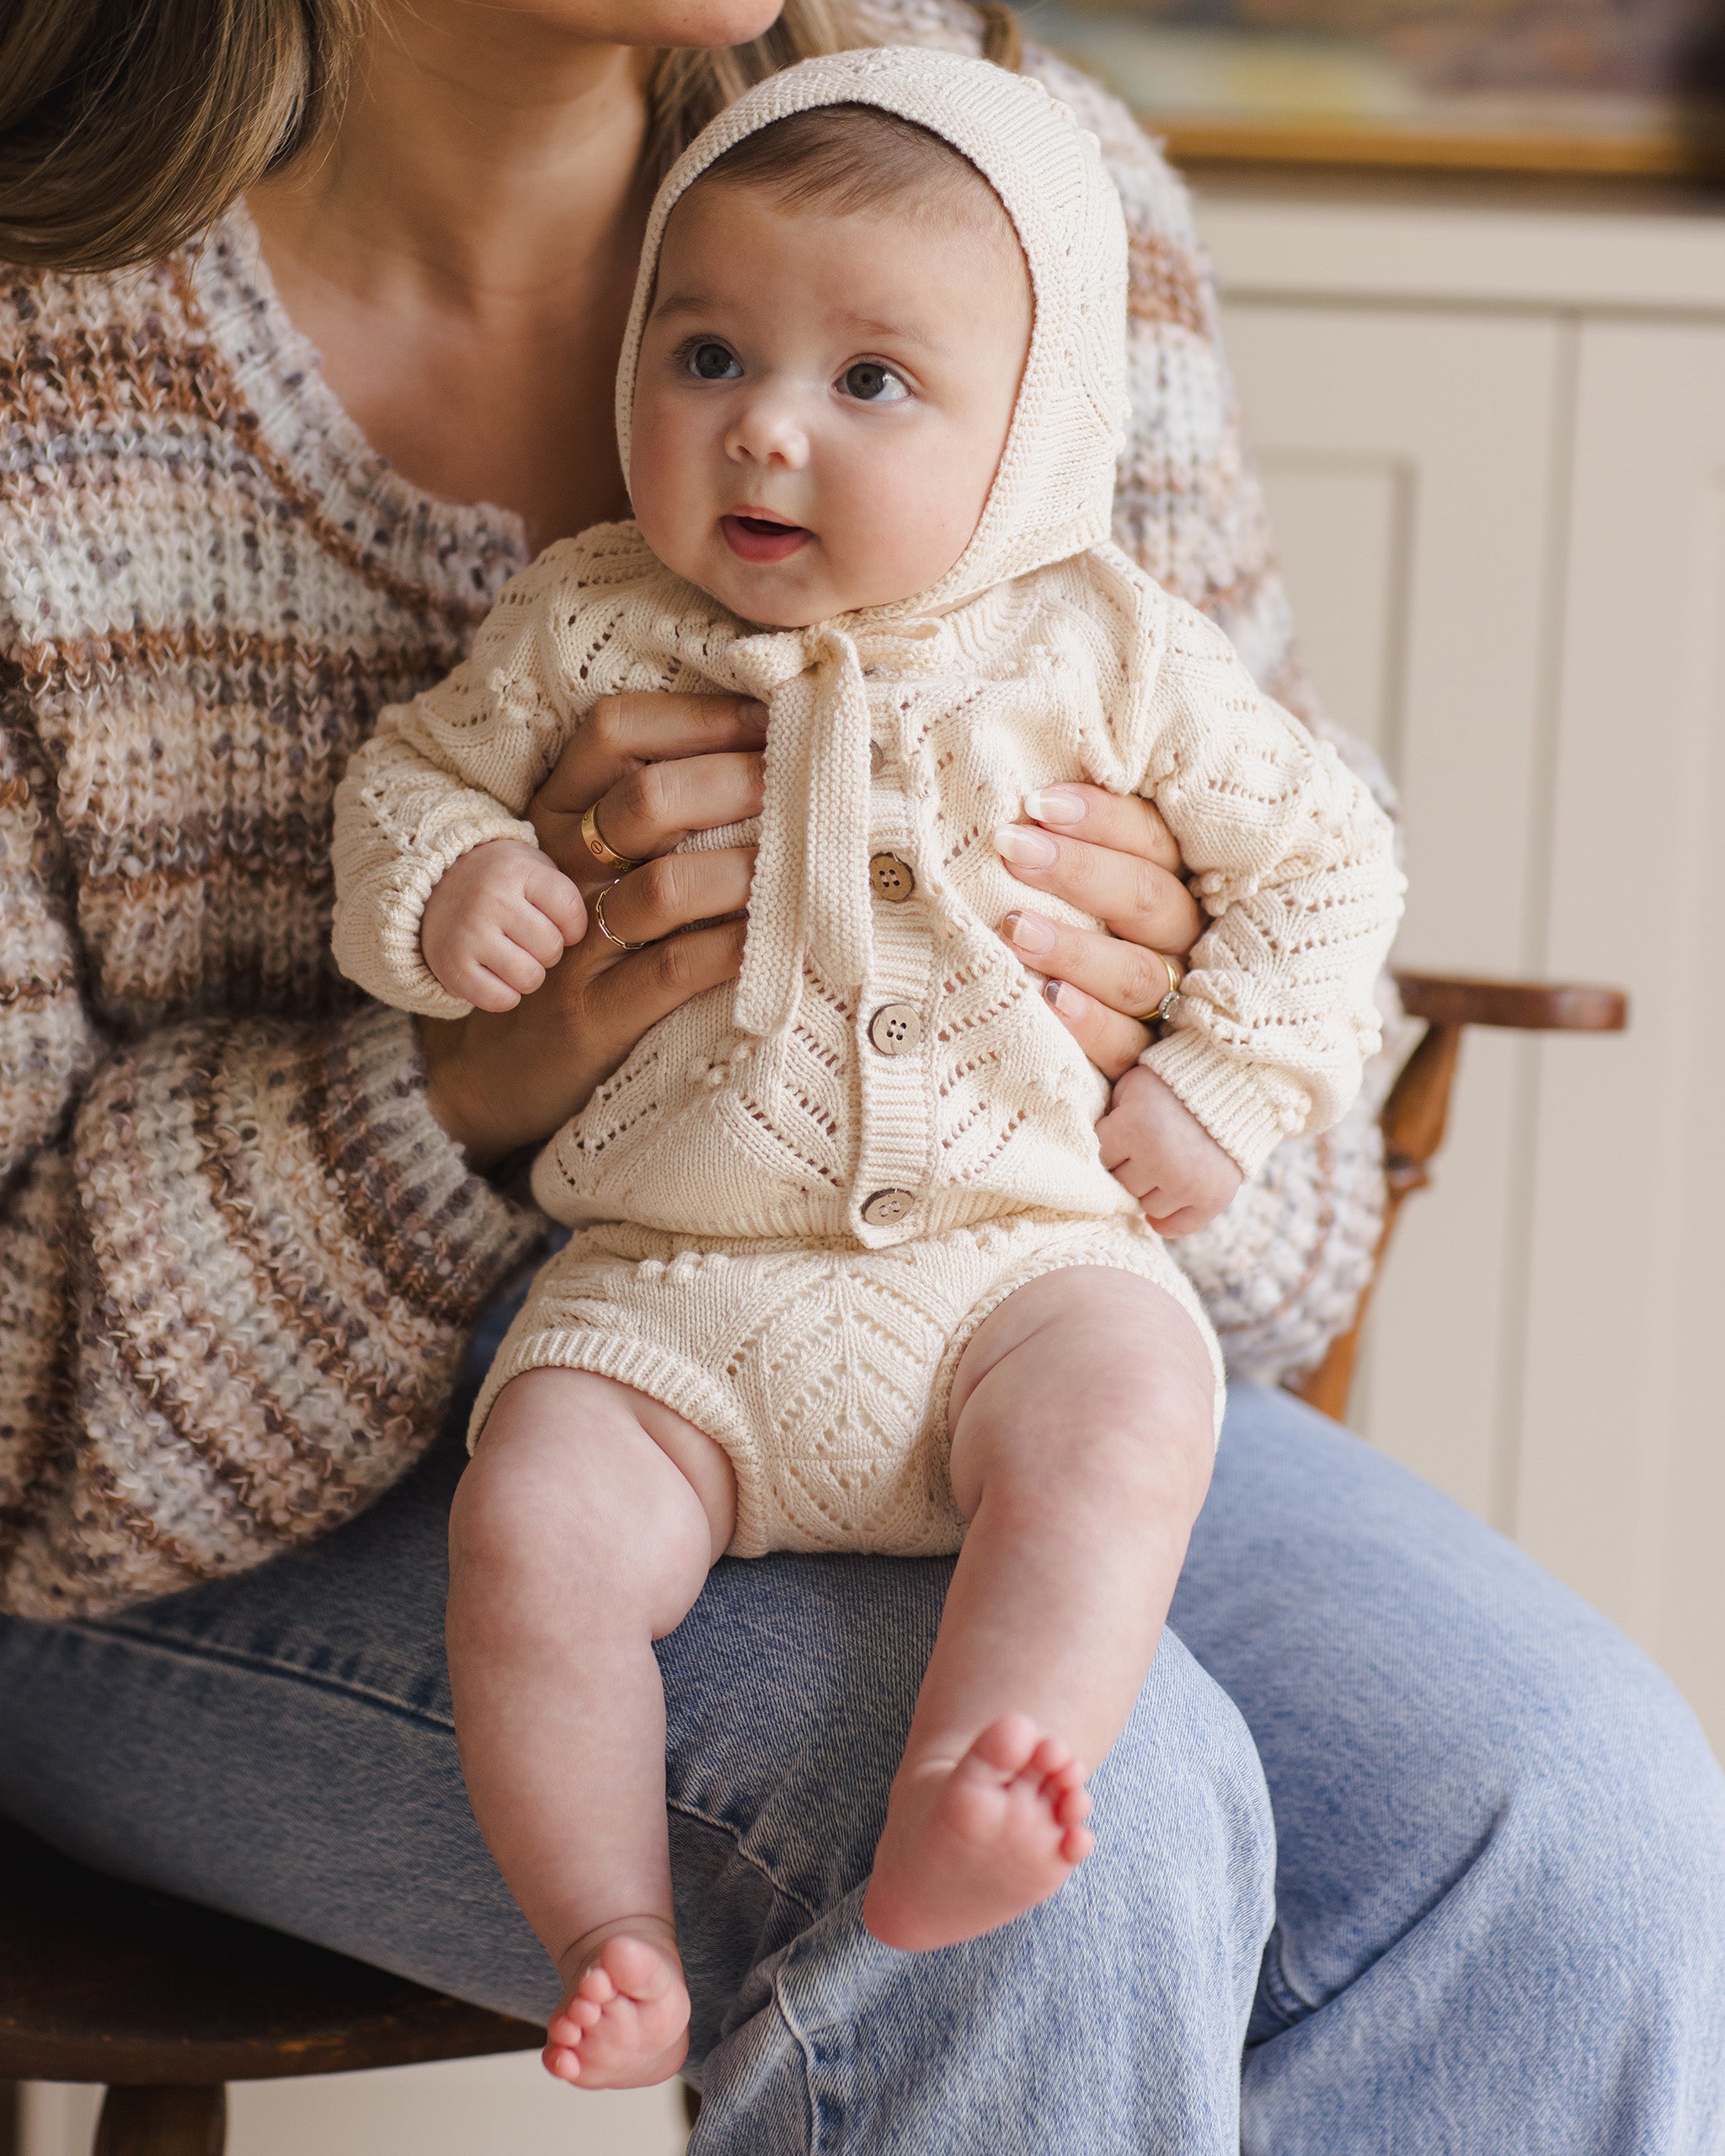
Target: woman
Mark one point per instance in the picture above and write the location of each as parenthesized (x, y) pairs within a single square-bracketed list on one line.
[(247, 1232)]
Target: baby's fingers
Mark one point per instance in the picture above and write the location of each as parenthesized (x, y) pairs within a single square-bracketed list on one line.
[(483, 974), (558, 900), (1176, 1220), (486, 991), (500, 970)]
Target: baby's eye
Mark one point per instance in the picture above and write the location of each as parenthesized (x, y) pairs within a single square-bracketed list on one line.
[(871, 384), (709, 361)]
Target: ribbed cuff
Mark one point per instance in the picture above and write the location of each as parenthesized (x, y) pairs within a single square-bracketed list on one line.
[(376, 932), (457, 1232), (1226, 1096)]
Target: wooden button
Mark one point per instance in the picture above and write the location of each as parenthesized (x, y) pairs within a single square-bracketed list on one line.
[(877, 757), (891, 878), (887, 1208), (896, 1028)]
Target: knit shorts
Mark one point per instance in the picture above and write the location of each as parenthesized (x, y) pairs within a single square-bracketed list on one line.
[(824, 1372)]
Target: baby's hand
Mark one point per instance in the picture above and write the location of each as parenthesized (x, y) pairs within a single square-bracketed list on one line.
[(1153, 1144), (498, 919)]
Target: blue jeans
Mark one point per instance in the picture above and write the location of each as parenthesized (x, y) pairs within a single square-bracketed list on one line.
[(1404, 1850)]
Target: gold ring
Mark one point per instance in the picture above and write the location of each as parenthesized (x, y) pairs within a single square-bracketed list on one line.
[(610, 934), (1165, 1010), (596, 846)]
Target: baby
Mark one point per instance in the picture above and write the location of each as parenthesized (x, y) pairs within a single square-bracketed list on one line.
[(847, 1271)]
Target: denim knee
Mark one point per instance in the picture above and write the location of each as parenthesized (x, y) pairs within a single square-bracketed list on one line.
[(1109, 2019), (1584, 1946), (1620, 1805)]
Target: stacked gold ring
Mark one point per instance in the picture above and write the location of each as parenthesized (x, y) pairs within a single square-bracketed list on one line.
[(610, 934), (600, 850), (1165, 1010)]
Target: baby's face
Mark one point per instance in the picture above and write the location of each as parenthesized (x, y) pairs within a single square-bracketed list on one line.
[(822, 400)]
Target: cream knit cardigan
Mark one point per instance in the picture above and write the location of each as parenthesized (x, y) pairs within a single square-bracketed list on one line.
[(1044, 653)]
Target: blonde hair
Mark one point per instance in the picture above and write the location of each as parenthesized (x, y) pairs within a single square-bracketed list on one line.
[(128, 127)]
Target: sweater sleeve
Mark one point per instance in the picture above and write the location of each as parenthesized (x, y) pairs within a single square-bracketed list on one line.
[(239, 1260), (1282, 1270), (453, 769), (1295, 863)]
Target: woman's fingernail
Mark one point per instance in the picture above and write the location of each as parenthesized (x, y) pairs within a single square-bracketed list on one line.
[(1029, 932), (1057, 993), (1028, 849), (1056, 804)]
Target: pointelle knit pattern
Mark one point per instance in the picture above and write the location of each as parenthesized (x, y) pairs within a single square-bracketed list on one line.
[(885, 1070)]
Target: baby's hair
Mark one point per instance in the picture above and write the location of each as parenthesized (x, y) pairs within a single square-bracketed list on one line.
[(852, 158)]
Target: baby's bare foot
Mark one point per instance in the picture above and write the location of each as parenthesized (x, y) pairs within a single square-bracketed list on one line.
[(625, 2024), (971, 1843)]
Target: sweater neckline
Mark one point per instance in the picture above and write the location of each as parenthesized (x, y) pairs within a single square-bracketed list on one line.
[(459, 555)]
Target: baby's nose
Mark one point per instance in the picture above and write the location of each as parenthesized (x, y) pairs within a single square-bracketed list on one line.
[(769, 432)]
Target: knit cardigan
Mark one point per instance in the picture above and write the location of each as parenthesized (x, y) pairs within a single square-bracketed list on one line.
[(239, 1259), (902, 734)]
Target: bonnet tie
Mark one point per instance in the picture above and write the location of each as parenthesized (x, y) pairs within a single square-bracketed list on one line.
[(811, 891)]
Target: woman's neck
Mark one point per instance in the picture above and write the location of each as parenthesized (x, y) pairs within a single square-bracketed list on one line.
[(462, 251)]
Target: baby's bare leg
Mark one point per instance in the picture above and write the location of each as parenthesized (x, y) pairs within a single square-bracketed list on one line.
[(1083, 1426), (582, 1531)]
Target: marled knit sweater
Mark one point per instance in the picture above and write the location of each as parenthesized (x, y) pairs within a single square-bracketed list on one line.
[(238, 1258)]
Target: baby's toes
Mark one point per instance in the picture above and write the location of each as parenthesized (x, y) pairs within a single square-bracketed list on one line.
[(596, 1988), (561, 2062), (1048, 1763), (1069, 1800), (1004, 1749), (1075, 1843)]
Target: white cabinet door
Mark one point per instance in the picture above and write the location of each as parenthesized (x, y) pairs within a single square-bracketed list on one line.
[(1623, 1482), (1410, 457)]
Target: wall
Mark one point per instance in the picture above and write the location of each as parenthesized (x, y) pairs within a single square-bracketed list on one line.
[(1494, 441)]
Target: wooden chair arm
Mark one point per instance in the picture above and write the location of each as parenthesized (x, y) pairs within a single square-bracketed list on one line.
[(1418, 1110), (1524, 1007)]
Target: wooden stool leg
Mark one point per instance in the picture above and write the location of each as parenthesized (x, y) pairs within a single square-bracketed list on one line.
[(162, 2122)]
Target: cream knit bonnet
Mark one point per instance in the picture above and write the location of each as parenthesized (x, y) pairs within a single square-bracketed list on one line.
[(1053, 494), (1051, 499)]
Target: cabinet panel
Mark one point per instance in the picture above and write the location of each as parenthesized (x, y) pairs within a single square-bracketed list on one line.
[(1622, 1483), (1408, 457), (1344, 529)]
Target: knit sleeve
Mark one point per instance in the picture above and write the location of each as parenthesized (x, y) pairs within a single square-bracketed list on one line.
[(1281, 1271), (1295, 863), (239, 1260), (453, 769), (49, 1041)]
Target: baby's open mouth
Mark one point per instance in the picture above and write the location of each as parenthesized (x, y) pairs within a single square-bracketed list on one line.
[(756, 538)]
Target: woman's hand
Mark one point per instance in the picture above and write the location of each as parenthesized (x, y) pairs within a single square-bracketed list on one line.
[(1111, 856), (652, 768)]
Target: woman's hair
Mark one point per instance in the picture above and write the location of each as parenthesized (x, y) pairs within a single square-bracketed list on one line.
[(128, 127)]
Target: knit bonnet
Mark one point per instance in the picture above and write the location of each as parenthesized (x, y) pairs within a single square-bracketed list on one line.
[(1052, 493), (1051, 498)]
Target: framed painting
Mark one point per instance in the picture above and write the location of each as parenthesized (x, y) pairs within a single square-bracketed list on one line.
[(1589, 86)]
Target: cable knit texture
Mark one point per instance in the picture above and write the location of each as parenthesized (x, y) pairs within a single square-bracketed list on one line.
[(885, 1069), (209, 584)]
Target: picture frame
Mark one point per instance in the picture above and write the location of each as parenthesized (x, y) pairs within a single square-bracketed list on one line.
[(1631, 90)]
